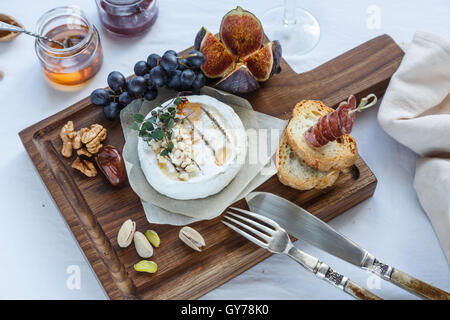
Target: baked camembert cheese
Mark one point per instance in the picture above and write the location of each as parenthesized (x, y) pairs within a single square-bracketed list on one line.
[(208, 146)]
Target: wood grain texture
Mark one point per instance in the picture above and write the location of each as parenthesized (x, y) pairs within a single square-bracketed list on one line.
[(94, 210)]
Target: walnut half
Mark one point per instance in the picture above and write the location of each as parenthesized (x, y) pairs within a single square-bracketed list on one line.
[(84, 166), (77, 144), (93, 137), (67, 134), (84, 152)]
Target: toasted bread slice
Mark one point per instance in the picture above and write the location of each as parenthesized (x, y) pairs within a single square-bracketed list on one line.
[(295, 173), (338, 154)]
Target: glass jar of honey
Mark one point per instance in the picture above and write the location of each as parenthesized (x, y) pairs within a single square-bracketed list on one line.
[(80, 58), (127, 17)]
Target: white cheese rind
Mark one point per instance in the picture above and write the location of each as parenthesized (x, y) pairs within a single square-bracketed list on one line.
[(212, 178)]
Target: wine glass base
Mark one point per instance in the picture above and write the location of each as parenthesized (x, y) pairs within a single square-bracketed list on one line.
[(296, 37)]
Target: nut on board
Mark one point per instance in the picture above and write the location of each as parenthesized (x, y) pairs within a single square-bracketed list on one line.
[(84, 166), (67, 134), (89, 138), (84, 152), (143, 247), (192, 238), (93, 137), (146, 266), (126, 233), (153, 238)]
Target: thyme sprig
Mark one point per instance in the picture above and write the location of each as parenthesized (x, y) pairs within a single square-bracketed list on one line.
[(160, 125)]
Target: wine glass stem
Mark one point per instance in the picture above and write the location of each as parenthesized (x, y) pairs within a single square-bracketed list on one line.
[(289, 12)]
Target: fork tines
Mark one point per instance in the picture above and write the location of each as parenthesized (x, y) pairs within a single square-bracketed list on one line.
[(265, 233)]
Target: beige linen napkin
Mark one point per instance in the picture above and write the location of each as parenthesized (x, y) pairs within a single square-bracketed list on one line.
[(416, 112)]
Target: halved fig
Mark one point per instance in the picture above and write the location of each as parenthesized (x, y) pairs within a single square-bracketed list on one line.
[(219, 61), (241, 32), (237, 58), (265, 62), (240, 80)]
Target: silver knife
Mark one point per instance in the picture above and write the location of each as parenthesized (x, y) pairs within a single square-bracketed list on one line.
[(303, 225)]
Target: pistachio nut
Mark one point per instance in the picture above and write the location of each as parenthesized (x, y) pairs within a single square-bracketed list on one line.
[(146, 266), (192, 238), (143, 247), (153, 237), (126, 232)]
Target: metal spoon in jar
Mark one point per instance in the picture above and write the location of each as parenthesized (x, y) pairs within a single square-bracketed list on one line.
[(9, 27)]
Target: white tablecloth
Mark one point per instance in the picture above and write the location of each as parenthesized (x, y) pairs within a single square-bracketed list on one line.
[(37, 249)]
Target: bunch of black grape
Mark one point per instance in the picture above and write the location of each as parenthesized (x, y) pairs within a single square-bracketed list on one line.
[(180, 73)]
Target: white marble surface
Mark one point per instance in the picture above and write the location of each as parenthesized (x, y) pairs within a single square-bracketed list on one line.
[(37, 247)]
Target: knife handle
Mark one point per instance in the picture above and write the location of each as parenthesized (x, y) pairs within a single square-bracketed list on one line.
[(404, 280), (348, 286), (418, 287)]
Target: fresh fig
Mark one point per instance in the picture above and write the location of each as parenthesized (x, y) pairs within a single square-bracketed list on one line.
[(237, 57), (265, 62), (241, 32), (219, 61), (240, 80)]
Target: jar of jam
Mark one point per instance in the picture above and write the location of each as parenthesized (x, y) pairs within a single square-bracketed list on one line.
[(80, 58), (127, 17)]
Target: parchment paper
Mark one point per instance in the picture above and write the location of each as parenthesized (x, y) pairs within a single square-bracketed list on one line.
[(158, 215), (164, 210)]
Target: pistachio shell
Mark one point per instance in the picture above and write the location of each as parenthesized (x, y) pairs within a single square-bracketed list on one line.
[(126, 232), (146, 266), (192, 238), (153, 237), (143, 247)]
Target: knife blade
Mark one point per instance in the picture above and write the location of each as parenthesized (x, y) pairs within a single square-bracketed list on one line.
[(303, 225)]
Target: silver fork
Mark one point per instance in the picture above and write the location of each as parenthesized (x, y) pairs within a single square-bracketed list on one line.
[(276, 240)]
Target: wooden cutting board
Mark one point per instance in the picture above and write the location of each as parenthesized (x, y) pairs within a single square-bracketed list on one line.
[(94, 210)]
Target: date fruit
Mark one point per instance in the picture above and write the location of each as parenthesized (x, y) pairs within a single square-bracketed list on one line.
[(111, 164)]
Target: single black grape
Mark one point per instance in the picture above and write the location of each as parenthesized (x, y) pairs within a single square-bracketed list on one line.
[(199, 81), (153, 60), (187, 77), (100, 97), (136, 86), (116, 81), (125, 98), (174, 80), (195, 59), (158, 76), (171, 52), (169, 61), (141, 68), (150, 94), (112, 111), (183, 64)]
